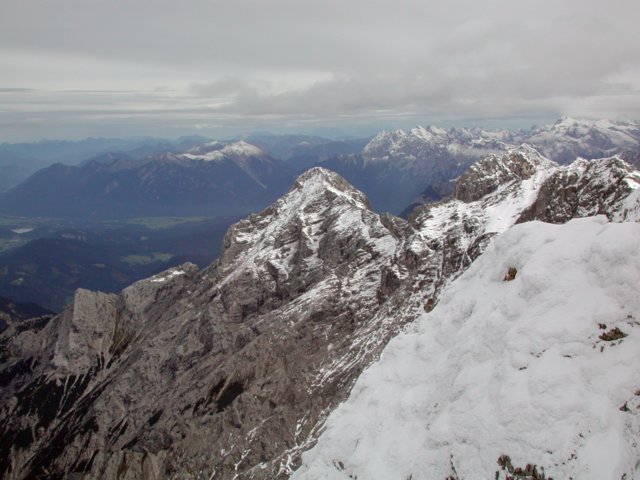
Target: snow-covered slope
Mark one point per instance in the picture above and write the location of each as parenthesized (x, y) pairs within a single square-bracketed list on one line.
[(542, 369), (395, 168)]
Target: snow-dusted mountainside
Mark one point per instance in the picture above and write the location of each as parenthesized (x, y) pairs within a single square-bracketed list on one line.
[(231, 371), (539, 370), (209, 179)]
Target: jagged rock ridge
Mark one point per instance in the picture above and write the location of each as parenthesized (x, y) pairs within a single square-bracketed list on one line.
[(232, 370)]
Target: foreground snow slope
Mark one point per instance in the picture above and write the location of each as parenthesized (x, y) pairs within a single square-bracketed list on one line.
[(513, 368)]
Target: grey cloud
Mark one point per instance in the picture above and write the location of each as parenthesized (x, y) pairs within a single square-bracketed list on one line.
[(15, 90), (227, 86), (298, 61)]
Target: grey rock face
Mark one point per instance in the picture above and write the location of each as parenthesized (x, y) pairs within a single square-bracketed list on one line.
[(582, 189), (230, 372)]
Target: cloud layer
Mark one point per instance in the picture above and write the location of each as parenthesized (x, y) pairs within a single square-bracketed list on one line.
[(73, 68)]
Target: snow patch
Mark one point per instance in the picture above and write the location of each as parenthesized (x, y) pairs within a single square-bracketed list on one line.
[(167, 276), (240, 148)]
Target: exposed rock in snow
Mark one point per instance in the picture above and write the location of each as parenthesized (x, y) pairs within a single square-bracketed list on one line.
[(586, 188), (521, 368), (486, 175), (420, 143)]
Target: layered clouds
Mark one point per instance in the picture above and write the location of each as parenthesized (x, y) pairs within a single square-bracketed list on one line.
[(76, 68)]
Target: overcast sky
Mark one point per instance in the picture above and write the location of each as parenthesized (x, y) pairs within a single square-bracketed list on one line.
[(75, 68)]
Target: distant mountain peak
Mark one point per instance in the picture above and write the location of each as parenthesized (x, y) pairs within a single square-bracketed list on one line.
[(242, 148), (215, 150)]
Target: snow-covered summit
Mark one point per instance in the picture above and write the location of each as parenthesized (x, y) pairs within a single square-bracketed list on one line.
[(320, 205), (318, 180), (539, 370), (213, 151)]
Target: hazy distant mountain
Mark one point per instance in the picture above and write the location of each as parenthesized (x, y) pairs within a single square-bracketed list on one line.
[(19, 160), (569, 138), (395, 169), (208, 180), (11, 175), (303, 151)]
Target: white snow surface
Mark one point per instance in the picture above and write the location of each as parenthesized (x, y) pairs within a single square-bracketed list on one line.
[(167, 275), (506, 368)]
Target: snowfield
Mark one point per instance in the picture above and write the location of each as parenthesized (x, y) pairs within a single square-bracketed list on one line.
[(536, 368)]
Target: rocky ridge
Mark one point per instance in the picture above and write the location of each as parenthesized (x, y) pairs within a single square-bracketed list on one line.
[(229, 372)]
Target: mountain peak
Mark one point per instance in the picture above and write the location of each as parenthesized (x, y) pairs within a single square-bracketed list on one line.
[(566, 120), (242, 148), (488, 174), (319, 180), (317, 172)]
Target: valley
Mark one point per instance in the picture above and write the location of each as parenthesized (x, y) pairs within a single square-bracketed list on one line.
[(45, 260)]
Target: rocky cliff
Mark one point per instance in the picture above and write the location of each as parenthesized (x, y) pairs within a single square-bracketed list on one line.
[(230, 372)]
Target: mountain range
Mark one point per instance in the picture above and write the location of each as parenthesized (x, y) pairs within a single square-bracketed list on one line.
[(20, 160), (232, 371), (401, 168), (396, 169)]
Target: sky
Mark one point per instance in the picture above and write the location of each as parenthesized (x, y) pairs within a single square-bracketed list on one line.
[(77, 68)]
